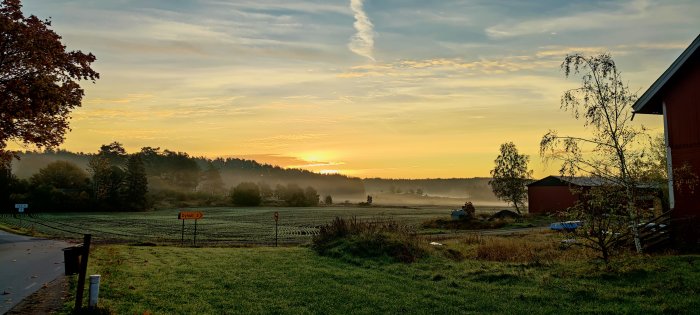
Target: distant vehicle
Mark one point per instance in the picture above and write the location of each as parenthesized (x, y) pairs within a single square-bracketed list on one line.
[(565, 226)]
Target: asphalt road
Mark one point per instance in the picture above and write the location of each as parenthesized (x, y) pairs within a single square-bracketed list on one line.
[(26, 264)]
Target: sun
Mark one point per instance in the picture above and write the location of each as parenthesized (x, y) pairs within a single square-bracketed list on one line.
[(318, 156)]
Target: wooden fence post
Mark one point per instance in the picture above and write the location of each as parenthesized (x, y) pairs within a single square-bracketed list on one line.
[(83, 271)]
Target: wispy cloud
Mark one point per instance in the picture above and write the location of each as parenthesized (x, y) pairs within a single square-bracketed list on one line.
[(621, 13), (440, 67), (362, 43)]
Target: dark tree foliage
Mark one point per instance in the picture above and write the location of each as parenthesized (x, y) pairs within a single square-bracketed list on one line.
[(265, 190), (510, 175), (335, 184), (280, 191), (61, 174), (328, 200), (135, 184), (6, 179), (211, 181), (246, 194), (60, 186), (311, 196), (107, 182), (114, 152), (294, 196), (38, 80), (171, 170)]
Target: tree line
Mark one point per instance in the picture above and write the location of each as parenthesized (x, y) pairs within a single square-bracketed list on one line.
[(113, 180)]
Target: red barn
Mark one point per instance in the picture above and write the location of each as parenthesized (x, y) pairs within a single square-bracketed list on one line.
[(554, 193), (557, 193), (676, 96)]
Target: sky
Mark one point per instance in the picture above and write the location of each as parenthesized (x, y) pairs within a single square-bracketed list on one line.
[(373, 88)]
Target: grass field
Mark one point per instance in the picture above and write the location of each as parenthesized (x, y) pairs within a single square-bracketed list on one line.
[(472, 273), (254, 225), (294, 280)]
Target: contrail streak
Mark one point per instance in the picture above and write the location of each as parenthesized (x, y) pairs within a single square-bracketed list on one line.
[(362, 43)]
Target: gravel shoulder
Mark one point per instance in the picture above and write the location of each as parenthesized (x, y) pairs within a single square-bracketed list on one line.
[(49, 299)]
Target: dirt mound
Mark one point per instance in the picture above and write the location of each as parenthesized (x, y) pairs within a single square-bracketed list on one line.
[(504, 214)]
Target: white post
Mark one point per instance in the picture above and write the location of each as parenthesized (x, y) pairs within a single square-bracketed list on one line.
[(669, 161), (94, 290)]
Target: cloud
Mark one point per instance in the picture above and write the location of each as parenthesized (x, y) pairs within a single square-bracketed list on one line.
[(362, 43), (444, 67), (620, 14)]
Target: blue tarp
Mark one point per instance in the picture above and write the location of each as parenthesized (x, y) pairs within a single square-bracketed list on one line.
[(567, 225)]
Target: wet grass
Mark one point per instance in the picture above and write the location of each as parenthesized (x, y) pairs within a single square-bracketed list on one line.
[(293, 280), (219, 226)]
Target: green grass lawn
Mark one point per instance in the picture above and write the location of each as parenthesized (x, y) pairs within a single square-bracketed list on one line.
[(219, 225), (295, 280)]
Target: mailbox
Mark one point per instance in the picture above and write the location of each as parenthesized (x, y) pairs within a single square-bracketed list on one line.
[(71, 257)]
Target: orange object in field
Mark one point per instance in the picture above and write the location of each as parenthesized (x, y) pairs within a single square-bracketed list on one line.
[(190, 215)]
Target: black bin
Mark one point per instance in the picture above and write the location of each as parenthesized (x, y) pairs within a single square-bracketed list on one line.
[(71, 258)]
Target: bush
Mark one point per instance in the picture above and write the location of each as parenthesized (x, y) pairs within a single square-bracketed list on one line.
[(464, 224), (246, 194), (60, 186), (377, 240)]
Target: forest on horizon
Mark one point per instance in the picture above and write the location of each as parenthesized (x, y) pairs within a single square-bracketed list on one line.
[(178, 171)]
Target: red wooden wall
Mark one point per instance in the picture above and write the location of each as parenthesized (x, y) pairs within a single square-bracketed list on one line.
[(544, 199), (682, 98)]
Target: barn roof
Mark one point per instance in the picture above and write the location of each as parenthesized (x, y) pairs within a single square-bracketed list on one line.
[(582, 181), (567, 181), (650, 101)]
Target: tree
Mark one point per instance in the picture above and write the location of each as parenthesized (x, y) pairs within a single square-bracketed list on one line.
[(510, 176), (60, 185), (604, 103), (280, 192), (6, 179), (107, 182), (61, 174), (311, 196), (246, 194), (328, 200), (180, 170), (38, 80), (265, 190), (135, 183), (114, 152), (602, 209), (294, 196), (211, 180)]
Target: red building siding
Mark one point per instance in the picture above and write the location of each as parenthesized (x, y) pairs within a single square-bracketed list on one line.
[(682, 99), (544, 199), (677, 91)]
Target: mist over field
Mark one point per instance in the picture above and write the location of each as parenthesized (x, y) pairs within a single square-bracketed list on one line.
[(444, 192)]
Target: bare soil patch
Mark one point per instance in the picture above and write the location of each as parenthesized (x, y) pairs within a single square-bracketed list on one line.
[(47, 300)]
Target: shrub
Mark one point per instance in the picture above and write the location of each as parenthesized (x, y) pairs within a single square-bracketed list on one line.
[(246, 194), (377, 240), (474, 224)]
